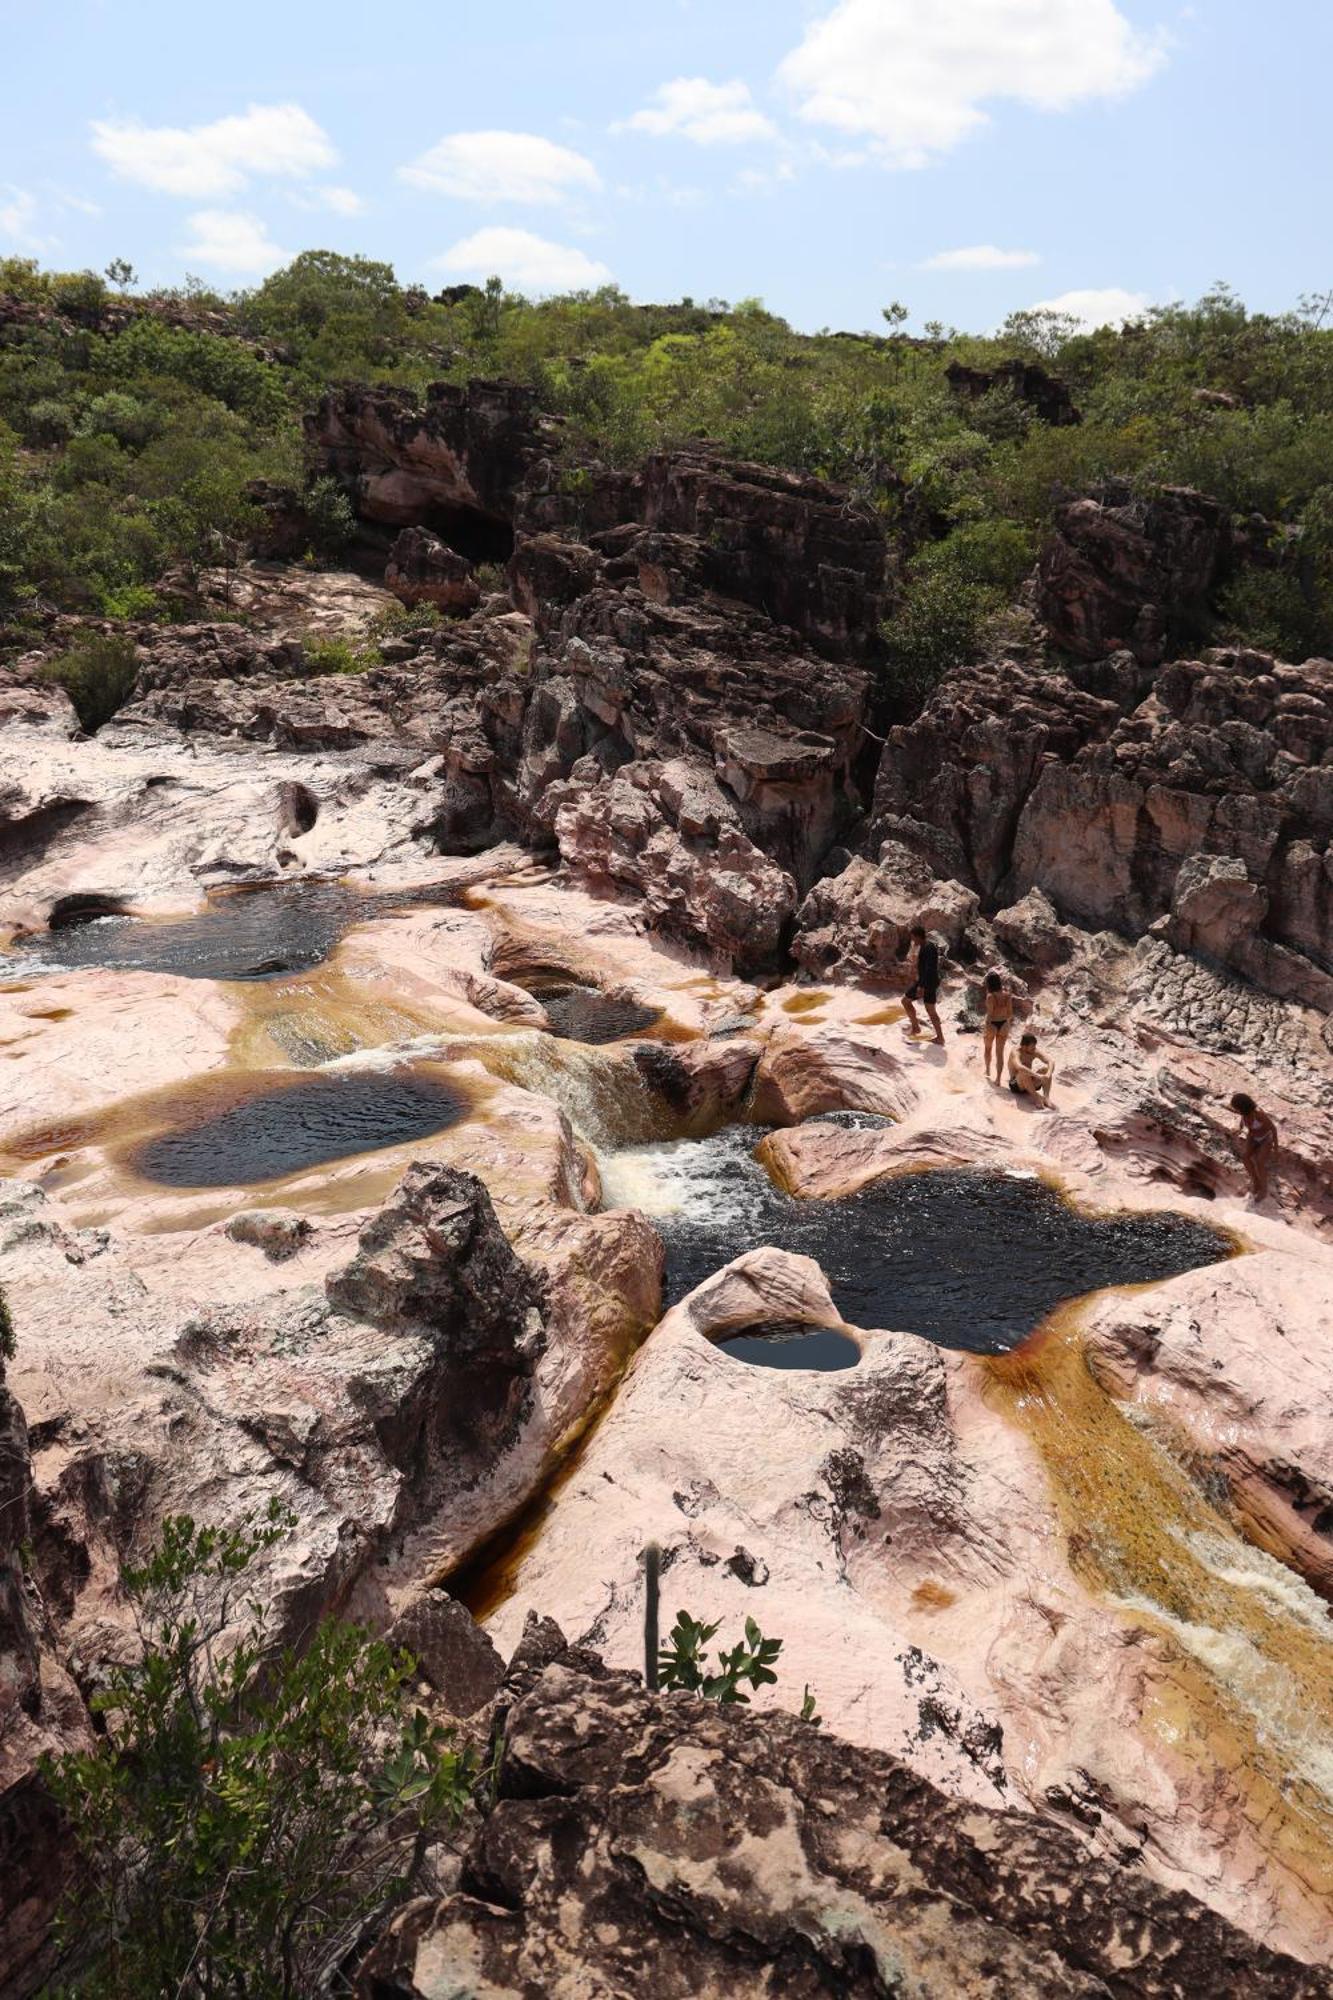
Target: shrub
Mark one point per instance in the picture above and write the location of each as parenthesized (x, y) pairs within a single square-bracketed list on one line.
[(337, 656), (131, 600), (6, 1330), (243, 1816), (98, 674), (329, 512)]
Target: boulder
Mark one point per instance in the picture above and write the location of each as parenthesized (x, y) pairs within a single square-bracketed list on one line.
[(857, 924), (727, 1855), (423, 570), (1031, 932), (1215, 907), (451, 1651), (278, 1232), (1124, 571), (435, 1257)]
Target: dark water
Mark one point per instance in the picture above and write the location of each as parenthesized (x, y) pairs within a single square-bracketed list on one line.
[(780, 1344), (285, 1127), (262, 933), (586, 1014), (965, 1258)]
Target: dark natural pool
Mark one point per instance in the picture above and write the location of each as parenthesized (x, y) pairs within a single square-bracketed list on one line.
[(968, 1259), (783, 1345), (586, 1014), (285, 1126), (260, 933)]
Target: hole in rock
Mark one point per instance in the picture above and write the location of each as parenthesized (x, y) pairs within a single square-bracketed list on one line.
[(263, 1128), (579, 1013), (962, 1257), (243, 933), (787, 1344), (68, 912), (471, 532)]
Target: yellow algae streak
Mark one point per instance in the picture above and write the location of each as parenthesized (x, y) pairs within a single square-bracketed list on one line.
[(1248, 1690)]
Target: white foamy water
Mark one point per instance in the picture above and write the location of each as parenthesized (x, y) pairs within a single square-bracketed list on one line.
[(1263, 1688), (1246, 1567), (714, 1178)]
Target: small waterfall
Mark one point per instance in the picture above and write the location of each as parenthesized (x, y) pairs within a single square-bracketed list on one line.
[(1251, 1695), (602, 1094)]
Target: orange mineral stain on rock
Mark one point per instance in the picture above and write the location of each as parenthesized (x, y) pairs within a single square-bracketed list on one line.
[(1245, 1684)]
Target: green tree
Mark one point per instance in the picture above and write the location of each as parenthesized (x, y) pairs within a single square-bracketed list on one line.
[(98, 674), (243, 1815)]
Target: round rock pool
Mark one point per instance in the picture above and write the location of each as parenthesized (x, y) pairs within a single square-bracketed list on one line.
[(265, 1130), (966, 1258), (265, 932)]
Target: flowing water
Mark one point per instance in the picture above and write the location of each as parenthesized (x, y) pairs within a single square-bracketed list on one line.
[(965, 1258), (1250, 1691)]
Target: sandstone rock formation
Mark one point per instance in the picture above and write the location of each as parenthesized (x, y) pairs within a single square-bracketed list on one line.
[(671, 834), (725, 1857), (1120, 571), (857, 925), (423, 570), (1026, 381)]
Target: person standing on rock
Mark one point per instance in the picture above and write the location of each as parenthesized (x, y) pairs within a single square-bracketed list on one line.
[(998, 1002), (925, 986), (1031, 1073), (1258, 1142)]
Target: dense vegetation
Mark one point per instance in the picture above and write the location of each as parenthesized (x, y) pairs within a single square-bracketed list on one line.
[(131, 430), (244, 1814)]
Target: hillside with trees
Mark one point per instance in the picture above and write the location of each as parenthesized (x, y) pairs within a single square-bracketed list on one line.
[(133, 429)]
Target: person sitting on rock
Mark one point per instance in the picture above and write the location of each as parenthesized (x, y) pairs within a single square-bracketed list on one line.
[(998, 1001), (925, 986), (1031, 1073), (1258, 1142)]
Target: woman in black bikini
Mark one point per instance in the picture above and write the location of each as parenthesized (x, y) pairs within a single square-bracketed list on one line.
[(1258, 1142), (999, 1005)]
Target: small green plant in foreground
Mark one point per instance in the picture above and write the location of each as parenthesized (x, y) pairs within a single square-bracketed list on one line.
[(244, 1815), (682, 1662), (6, 1330), (98, 674)]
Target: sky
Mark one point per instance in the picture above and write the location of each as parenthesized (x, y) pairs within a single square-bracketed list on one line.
[(967, 157)]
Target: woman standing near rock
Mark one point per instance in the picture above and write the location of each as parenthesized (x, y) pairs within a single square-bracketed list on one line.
[(998, 1002), (1258, 1142)]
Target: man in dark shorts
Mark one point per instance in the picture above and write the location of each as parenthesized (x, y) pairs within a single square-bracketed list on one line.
[(925, 986)]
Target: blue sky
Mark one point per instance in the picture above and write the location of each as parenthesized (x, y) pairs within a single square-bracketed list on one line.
[(966, 156)]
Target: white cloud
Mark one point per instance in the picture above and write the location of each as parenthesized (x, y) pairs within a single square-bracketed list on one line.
[(267, 140), (522, 259), (712, 114), (341, 200), (913, 77), (1111, 306), (502, 166), (981, 257), (225, 240), (18, 213)]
